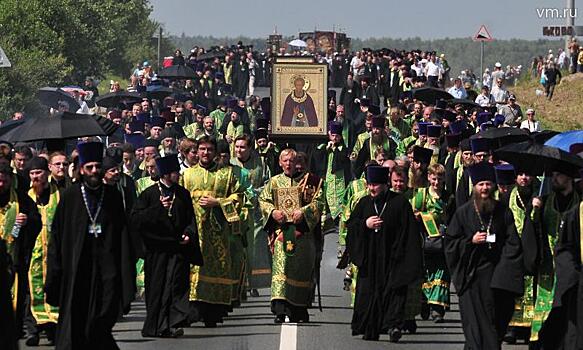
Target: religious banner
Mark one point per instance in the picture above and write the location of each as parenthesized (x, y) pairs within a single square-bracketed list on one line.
[(298, 108)]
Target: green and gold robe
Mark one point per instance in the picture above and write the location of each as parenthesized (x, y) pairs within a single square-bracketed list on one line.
[(545, 280), (258, 260), (141, 185), (294, 250), (218, 116), (212, 283), (524, 308), (234, 131), (40, 309), (437, 277)]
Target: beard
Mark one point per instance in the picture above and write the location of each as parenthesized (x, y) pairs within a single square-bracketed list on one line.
[(485, 205), (93, 181), (377, 138), (38, 187), (419, 177)]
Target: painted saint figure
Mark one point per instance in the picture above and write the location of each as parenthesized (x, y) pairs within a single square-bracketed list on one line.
[(299, 110)]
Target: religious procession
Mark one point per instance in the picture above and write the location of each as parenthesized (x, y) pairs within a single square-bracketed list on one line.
[(186, 191)]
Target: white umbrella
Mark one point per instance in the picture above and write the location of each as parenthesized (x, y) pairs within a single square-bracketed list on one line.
[(298, 43)]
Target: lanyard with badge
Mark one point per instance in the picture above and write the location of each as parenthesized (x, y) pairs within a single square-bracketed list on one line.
[(94, 227)]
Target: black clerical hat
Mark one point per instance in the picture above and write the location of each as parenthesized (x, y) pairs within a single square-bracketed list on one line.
[(480, 145), (109, 163), (483, 117), (505, 174), (378, 122), (457, 127), (38, 163), (151, 143), (159, 122), (136, 126), (422, 155), (465, 145), (145, 117), (433, 130), (262, 123), (260, 134), (482, 172), (335, 128), (231, 103), (423, 128), (90, 152), (239, 110), (136, 140), (376, 174), (167, 165), (453, 140)]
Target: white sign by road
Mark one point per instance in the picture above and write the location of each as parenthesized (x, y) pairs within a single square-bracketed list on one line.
[(4, 62)]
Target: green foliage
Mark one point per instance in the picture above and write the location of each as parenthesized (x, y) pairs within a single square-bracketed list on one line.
[(57, 42)]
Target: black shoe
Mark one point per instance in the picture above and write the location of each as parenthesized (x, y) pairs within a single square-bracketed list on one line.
[(436, 317), (176, 332), (254, 293), (209, 324), (425, 311), (32, 340), (394, 335), (347, 284), (410, 326), (279, 319), (510, 337)]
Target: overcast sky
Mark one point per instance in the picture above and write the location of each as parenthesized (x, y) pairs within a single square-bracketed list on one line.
[(428, 19)]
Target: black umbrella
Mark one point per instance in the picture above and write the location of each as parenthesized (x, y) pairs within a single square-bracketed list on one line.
[(466, 104), (177, 72), (158, 92), (10, 127), (114, 99), (50, 97), (536, 159), (431, 94), (211, 55), (503, 136), (62, 126), (543, 136)]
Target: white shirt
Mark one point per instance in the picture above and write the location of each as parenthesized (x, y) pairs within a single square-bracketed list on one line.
[(433, 69), (532, 126), (355, 63), (458, 93), (485, 101)]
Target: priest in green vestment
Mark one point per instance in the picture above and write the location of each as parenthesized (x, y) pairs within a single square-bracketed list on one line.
[(291, 204), (539, 238), (520, 203), (217, 198), (41, 316)]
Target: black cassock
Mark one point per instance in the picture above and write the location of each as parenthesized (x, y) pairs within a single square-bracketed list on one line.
[(88, 276), (569, 288), (487, 277), (387, 261), (166, 264), (8, 334)]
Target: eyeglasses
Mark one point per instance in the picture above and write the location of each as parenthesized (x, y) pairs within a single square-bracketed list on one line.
[(64, 164)]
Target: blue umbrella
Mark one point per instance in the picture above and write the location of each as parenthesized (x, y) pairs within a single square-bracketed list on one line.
[(566, 139)]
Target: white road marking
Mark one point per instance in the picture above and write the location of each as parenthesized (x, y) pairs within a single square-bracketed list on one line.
[(288, 339)]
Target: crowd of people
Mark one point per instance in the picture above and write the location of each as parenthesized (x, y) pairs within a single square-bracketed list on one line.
[(191, 206)]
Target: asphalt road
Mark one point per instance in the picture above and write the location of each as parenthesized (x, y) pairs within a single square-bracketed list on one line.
[(252, 327)]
